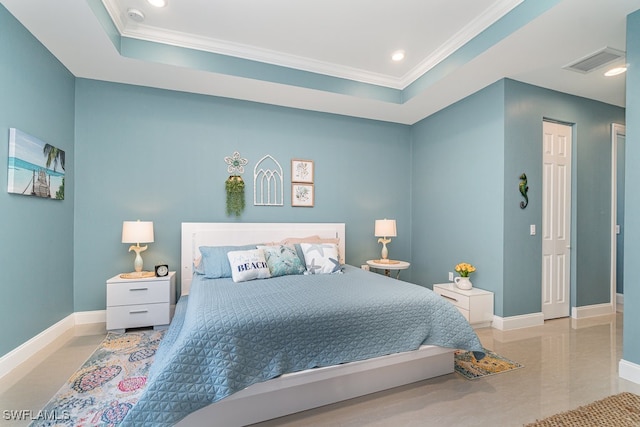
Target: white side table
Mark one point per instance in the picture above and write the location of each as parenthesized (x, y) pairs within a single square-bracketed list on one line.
[(475, 304), (387, 267), (133, 303)]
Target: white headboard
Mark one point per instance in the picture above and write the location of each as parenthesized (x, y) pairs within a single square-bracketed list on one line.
[(196, 234)]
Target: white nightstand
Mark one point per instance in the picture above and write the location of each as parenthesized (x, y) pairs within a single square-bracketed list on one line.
[(387, 267), (133, 303), (476, 305)]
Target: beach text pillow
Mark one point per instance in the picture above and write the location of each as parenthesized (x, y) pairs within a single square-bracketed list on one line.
[(248, 265)]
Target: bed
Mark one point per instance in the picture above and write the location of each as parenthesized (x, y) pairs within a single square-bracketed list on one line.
[(285, 344)]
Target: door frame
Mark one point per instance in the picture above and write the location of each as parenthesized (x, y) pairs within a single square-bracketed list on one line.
[(616, 130)]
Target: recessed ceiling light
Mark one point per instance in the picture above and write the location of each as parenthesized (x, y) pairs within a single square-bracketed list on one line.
[(157, 3), (398, 55), (615, 71)]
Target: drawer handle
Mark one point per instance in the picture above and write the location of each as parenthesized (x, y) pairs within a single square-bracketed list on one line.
[(138, 311), (139, 289), (449, 298)]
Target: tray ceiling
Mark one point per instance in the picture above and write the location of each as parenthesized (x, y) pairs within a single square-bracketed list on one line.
[(335, 56)]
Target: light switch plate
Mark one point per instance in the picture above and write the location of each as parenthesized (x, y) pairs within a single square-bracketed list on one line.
[(532, 229)]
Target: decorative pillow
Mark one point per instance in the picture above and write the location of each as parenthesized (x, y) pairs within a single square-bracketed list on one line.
[(282, 260), (248, 265), (321, 258), (295, 241), (213, 263)]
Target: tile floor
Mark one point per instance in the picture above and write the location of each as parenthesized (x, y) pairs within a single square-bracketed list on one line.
[(568, 363)]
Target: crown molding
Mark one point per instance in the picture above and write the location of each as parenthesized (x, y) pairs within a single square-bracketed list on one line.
[(252, 53), (148, 33), (467, 33)]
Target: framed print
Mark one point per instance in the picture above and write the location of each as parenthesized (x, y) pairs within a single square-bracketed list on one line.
[(302, 171), (35, 168), (302, 195)]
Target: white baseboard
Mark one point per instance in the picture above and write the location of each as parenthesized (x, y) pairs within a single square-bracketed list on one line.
[(18, 355), (27, 350), (87, 317), (620, 303), (592, 310), (629, 371), (517, 322), (537, 319)]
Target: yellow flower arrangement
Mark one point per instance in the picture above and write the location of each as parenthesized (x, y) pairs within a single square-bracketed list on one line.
[(465, 269)]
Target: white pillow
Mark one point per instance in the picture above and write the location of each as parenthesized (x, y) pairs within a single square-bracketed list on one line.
[(248, 265), (321, 258)]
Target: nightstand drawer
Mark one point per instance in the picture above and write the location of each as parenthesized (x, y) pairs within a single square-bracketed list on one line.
[(465, 313), (133, 316), (142, 292), (460, 301)]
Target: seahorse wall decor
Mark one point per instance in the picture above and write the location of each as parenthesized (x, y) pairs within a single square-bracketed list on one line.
[(524, 189)]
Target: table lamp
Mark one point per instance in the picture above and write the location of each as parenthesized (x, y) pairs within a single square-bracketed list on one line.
[(384, 229), (137, 232)]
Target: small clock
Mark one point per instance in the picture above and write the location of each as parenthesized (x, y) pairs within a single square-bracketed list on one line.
[(162, 270)]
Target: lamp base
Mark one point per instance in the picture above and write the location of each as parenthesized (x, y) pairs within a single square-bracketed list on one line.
[(138, 275)]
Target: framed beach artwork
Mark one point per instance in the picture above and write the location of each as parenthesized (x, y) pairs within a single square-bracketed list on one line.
[(35, 168), (302, 195), (302, 171)]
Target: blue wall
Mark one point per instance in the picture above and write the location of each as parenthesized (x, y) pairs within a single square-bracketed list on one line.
[(467, 162), (631, 338), (526, 106), (457, 191), (158, 155), (36, 253)]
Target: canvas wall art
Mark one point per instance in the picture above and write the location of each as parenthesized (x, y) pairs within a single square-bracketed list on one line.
[(302, 195), (302, 189), (302, 171), (35, 168)]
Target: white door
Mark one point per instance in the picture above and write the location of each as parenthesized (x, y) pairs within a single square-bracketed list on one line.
[(556, 219), (618, 137)]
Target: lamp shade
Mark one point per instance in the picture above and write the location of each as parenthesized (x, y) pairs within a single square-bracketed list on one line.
[(137, 231), (385, 228)]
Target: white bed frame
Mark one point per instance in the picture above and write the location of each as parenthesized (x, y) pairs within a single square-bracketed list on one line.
[(312, 388)]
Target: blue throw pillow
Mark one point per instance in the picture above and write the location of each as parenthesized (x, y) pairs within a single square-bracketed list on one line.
[(214, 263)]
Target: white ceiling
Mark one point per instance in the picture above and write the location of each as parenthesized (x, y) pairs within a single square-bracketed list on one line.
[(351, 40)]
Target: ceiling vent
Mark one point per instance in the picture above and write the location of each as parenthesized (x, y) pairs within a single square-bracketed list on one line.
[(595, 60)]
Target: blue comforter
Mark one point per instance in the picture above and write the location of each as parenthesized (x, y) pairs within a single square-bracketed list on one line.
[(231, 335)]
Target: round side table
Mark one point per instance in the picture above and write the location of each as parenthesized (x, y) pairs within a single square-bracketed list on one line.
[(388, 266)]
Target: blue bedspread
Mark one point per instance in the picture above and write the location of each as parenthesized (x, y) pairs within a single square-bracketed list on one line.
[(231, 335)]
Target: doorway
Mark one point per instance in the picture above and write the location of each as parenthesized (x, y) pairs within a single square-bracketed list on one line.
[(618, 137), (556, 219)]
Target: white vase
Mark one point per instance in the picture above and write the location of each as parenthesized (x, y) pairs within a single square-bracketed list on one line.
[(463, 283)]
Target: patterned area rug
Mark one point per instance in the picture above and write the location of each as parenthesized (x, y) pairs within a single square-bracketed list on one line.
[(103, 390), (620, 410), (470, 368)]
